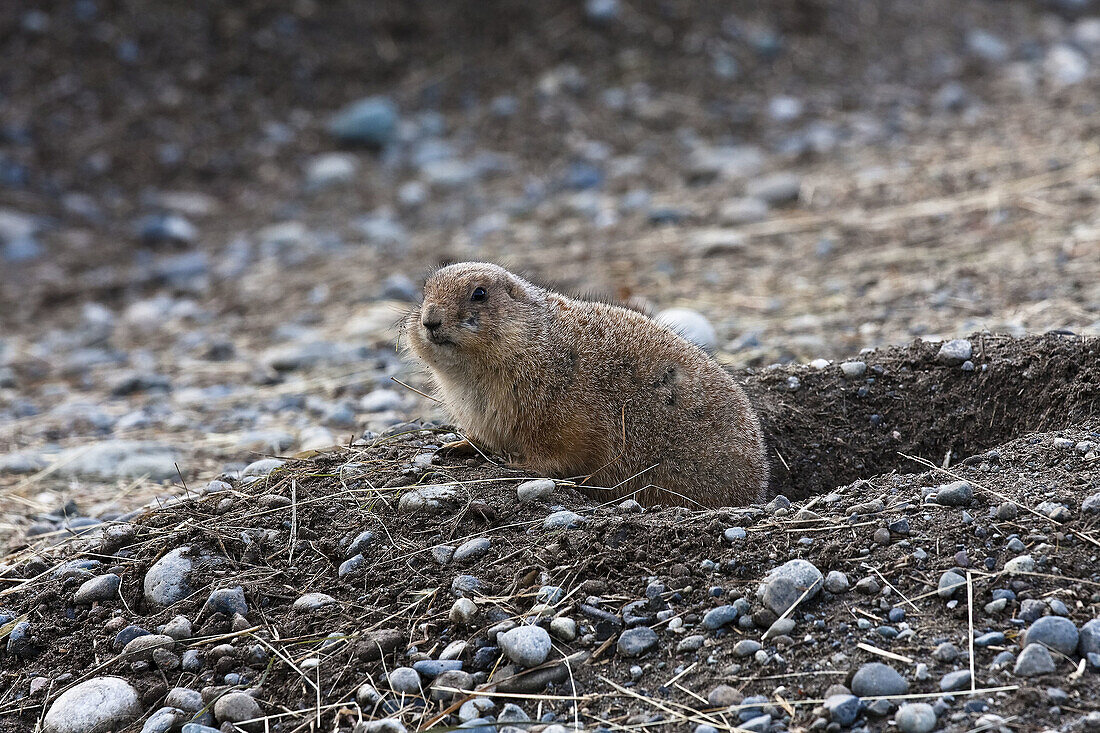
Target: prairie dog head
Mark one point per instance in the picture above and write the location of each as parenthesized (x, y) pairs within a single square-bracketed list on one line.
[(473, 313)]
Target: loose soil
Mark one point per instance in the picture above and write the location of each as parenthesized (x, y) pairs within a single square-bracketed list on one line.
[(286, 534)]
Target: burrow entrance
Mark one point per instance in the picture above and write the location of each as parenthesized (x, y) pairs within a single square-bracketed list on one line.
[(830, 430)]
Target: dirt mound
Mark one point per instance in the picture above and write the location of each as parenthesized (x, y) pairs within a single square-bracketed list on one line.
[(654, 615), (829, 429)]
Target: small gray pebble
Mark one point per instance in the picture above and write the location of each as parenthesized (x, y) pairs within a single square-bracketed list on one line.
[(527, 646), (636, 641), (1033, 661), (876, 679), (915, 717), (842, 709), (536, 490)]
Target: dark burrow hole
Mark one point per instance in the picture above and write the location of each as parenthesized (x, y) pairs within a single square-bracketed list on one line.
[(832, 430)]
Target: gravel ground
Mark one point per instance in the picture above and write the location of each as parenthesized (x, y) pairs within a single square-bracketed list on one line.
[(212, 217)]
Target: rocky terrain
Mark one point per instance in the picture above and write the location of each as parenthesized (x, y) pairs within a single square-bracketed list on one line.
[(223, 501)]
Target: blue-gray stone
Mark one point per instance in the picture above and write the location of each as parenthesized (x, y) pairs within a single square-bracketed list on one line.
[(22, 249), (991, 638), (563, 519), (955, 351), (432, 668), (946, 653), (1033, 661), (950, 583), (955, 681), (471, 549), (371, 121), (467, 585), (228, 601), (485, 658), (735, 533), (1055, 632), (512, 713), (783, 586), (99, 588), (404, 680), (167, 229), (956, 493), (99, 704), (191, 661), (915, 717), (752, 707), (167, 581), (759, 724), (716, 618), (527, 646), (875, 679), (126, 635), (162, 720), (479, 725), (21, 642), (842, 709), (746, 647), (1089, 639), (601, 11), (351, 565), (636, 641)]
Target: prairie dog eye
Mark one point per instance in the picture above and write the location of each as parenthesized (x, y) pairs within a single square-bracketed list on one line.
[(479, 295)]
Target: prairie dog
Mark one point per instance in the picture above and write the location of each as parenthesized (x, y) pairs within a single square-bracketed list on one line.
[(579, 389)]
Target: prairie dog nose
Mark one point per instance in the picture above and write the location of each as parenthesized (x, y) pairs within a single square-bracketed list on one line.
[(432, 317)]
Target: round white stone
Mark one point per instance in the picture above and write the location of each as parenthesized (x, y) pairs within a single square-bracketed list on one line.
[(96, 706)]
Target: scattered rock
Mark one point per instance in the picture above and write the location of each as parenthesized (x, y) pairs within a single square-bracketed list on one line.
[(1089, 638), (875, 679), (167, 581), (527, 646), (228, 601), (472, 549), (783, 586), (955, 681), (716, 618), (1053, 632), (312, 601), (331, 169), (236, 707), (776, 188), (950, 583), (842, 709), (1033, 661), (112, 459), (536, 490), (563, 519), (371, 121), (836, 582), (404, 680), (956, 493), (426, 500), (99, 705), (101, 588), (955, 351), (636, 641), (915, 717)]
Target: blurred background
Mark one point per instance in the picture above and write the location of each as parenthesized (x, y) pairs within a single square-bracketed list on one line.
[(212, 214)]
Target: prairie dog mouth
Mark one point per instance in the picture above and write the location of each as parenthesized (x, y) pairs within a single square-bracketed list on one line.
[(439, 339)]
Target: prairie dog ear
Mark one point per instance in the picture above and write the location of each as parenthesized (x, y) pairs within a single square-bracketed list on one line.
[(517, 290)]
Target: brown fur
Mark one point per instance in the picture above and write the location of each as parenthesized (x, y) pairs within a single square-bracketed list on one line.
[(572, 388)]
